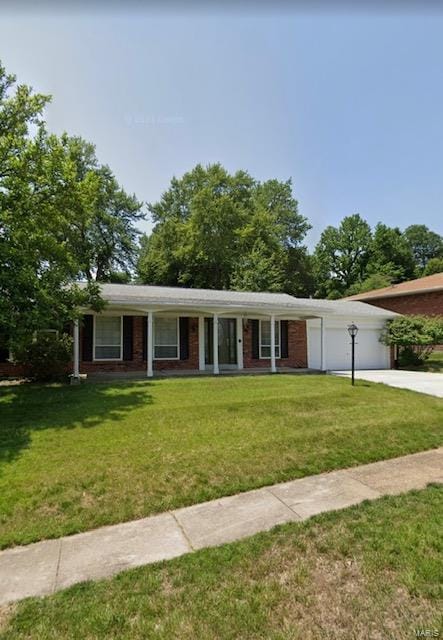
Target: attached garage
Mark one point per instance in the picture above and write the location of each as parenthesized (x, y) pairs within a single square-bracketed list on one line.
[(370, 353)]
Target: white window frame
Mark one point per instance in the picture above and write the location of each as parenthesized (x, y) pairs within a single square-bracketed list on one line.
[(277, 344), (94, 359), (154, 345)]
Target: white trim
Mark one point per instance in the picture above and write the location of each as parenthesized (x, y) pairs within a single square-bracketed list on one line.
[(216, 369), (149, 342), (322, 345), (94, 359), (277, 344), (201, 343), (167, 345), (273, 345), (76, 369), (239, 339)]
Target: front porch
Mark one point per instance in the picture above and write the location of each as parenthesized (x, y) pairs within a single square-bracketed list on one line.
[(117, 343), (171, 373)]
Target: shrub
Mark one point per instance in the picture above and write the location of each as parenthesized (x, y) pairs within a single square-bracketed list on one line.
[(46, 356), (415, 337), (412, 356)]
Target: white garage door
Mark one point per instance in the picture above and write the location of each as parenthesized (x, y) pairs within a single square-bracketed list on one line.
[(369, 352)]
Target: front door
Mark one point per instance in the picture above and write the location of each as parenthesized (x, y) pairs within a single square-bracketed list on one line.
[(227, 341)]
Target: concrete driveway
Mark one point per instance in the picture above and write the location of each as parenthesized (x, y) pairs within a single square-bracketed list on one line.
[(430, 383)]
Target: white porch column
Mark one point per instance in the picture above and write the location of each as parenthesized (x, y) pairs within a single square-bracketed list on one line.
[(149, 345), (239, 337), (76, 370), (215, 343), (322, 345), (273, 367), (201, 344)]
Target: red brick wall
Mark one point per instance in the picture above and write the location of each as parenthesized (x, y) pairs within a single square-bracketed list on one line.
[(11, 370), (297, 350), (192, 361), (297, 347), (137, 363), (429, 304)]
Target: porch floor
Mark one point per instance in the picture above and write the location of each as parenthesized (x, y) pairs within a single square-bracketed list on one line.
[(170, 373)]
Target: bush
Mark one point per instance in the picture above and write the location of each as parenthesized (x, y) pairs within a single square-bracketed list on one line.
[(415, 337), (412, 356), (47, 356)]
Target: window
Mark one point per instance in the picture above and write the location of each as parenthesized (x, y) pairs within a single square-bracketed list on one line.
[(265, 338), (166, 339), (108, 338)]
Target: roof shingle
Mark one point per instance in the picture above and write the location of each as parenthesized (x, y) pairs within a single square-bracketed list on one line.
[(420, 285), (279, 303)]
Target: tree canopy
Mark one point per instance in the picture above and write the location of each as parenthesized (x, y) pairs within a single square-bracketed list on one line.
[(424, 243), (342, 255), (351, 258), (62, 217), (219, 230)]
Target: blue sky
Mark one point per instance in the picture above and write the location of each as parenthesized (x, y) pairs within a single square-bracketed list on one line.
[(349, 105)]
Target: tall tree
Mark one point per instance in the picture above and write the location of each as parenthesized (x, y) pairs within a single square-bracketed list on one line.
[(390, 254), (220, 230), (47, 200), (342, 255), (102, 232), (425, 244)]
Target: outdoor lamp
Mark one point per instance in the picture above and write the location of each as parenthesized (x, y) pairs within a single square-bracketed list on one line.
[(353, 330)]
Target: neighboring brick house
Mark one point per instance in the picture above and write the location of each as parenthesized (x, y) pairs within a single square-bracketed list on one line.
[(423, 296), (148, 329)]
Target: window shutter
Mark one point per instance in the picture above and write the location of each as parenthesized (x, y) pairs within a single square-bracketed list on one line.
[(88, 328), (184, 338), (255, 339), (67, 328), (145, 337), (128, 324), (284, 342), (4, 349)]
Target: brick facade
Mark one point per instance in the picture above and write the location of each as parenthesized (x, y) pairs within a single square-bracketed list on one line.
[(297, 347), (297, 352), (428, 304), (11, 370), (138, 363)]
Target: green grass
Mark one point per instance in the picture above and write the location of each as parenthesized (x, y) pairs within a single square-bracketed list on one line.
[(74, 458), (373, 571), (433, 364)]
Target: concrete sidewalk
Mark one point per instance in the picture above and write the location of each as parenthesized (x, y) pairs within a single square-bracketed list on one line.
[(44, 567)]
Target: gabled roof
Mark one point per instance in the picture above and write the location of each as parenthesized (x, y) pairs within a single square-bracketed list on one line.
[(211, 300), (420, 285)]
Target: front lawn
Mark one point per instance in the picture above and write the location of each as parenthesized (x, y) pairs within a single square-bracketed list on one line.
[(74, 458), (373, 571)]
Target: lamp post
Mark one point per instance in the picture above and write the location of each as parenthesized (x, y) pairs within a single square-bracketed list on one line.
[(353, 330)]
